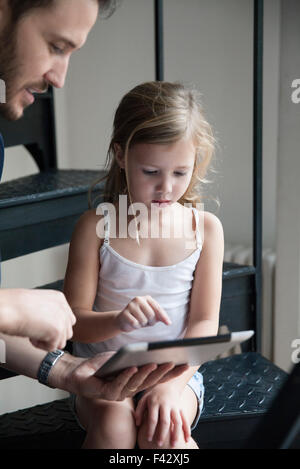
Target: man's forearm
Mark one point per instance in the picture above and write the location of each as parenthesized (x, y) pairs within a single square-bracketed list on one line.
[(21, 356), (8, 319)]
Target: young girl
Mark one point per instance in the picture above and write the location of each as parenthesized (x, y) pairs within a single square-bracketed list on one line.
[(155, 284)]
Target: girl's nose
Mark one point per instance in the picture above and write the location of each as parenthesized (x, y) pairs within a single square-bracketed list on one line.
[(165, 185)]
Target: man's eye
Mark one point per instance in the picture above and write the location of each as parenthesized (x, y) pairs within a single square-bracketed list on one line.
[(57, 50)]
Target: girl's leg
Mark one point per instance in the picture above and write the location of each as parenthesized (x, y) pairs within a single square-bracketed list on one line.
[(109, 424), (190, 408)]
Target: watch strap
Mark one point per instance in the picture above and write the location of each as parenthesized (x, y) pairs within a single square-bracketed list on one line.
[(46, 366)]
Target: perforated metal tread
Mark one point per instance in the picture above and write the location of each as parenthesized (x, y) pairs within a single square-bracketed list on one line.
[(236, 388), (239, 386), (49, 425), (53, 416), (46, 185)]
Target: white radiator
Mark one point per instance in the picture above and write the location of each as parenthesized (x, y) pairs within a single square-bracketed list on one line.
[(243, 255)]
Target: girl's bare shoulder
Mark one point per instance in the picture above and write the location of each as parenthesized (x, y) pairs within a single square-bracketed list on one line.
[(212, 221), (88, 219), (208, 222), (86, 226), (212, 227)]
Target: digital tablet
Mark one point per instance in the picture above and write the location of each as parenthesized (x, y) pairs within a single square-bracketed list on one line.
[(193, 352)]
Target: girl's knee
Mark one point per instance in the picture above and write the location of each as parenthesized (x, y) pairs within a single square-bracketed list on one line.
[(104, 414), (113, 415), (111, 425)]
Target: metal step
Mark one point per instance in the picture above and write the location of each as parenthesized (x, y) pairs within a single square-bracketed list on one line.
[(40, 211)]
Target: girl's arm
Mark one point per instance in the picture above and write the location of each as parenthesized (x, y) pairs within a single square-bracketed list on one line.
[(81, 280)]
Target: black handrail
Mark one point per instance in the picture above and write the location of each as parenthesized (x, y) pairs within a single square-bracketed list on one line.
[(257, 161), (159, 40)]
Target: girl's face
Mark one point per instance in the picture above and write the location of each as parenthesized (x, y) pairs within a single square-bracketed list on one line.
[(160, 173)]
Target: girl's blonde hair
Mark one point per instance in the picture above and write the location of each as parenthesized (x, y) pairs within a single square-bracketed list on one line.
[(161, 113)]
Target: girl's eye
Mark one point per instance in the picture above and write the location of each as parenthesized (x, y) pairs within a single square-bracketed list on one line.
[(148, 172)]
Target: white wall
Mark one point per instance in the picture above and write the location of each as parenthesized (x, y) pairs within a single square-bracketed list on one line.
[(287, 314), (118, 55), (208, 43)]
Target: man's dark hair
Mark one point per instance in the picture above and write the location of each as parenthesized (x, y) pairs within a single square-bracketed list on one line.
[(19, 8)]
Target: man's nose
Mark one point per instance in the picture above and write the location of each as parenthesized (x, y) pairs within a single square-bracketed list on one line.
[(57, 75)]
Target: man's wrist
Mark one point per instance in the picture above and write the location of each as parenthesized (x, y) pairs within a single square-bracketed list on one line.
[(46, 366), (59, 377)]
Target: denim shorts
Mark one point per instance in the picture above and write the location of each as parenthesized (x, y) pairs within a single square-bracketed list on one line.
[(195, 383)]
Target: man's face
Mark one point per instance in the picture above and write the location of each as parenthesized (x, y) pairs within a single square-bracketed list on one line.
[(36, 51)]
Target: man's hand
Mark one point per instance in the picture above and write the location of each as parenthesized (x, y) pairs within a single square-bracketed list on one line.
[(44, 316), (76, 375)]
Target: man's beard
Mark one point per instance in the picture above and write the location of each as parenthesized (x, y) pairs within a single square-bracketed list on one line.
[(8, 68)]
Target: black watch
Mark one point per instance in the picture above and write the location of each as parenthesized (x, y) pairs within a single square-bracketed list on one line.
[(46, 366)]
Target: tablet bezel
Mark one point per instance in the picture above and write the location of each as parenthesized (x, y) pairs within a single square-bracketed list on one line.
[(142, 347)]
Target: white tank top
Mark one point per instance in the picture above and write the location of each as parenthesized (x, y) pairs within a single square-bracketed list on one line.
[(121, 280)]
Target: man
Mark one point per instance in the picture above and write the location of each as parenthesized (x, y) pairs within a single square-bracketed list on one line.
[(37, 39)]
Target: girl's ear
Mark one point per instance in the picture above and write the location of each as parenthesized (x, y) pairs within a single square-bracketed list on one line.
[(119, 155)]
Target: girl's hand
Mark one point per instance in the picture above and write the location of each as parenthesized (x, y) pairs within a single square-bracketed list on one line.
[(160, 407), (142, 311)]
